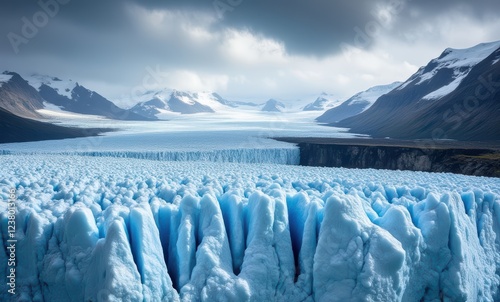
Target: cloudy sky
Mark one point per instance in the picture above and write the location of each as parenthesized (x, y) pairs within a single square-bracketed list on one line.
[(243, 49)]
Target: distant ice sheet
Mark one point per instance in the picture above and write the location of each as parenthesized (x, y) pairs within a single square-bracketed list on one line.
[(221, 137)]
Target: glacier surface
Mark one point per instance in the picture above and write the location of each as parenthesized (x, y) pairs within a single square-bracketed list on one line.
[(225, 137), (111, 229)]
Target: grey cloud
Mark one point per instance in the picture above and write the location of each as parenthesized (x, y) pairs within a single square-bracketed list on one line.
[(315, 27), (312, 28), (97, 39), (319, 27)]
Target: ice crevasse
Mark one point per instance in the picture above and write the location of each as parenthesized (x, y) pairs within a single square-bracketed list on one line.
[(138, 230)]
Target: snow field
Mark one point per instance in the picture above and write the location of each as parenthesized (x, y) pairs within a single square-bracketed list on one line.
[(4, 78), (111, 229)]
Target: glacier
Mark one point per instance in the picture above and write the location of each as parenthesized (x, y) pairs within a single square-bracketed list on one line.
[(285, 156), (207, 138), (115, 229)]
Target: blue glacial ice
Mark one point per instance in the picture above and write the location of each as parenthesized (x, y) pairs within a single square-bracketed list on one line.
[(112, 229), (211, 146), (226, 137)]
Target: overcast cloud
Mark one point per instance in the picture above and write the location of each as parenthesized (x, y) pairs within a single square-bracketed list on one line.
[(243, 49)]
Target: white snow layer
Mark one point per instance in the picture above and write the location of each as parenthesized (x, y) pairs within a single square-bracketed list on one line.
[(94, 229), (445, 90), (370, 96), (4, 78), (63, 87), (460, 60)]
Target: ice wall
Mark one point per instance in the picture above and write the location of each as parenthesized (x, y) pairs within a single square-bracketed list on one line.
[(242, 146), (130, 230), (285, 156), (281, 156)]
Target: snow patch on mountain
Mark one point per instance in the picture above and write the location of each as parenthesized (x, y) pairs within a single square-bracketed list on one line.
[(210, 99), (273, 105), (461, 61), (356, 104), (159, 104), (323, 102), (63, 87), (445, 90), (162, 94), (368, 97), (4, 78), (469, 56), (459, 58)]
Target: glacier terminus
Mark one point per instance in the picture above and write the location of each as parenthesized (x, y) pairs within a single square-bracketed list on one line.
[(111, 229)]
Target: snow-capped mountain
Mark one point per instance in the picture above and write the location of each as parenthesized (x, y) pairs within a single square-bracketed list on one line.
[(18, 97), (273, 105), (19, 105), (150, 108), (167, 100), (72, 97), (450, 69), (63, 88), (186, 102), (455, 96), (323, 102), (356, 104), (161, 103)]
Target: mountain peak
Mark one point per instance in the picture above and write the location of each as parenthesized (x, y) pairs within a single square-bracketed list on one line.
[(467, 56), (322, 102), (273, 105), (62, 87), (5, 77), (14, 76), (356, 104), (183, 102), (436, 101)]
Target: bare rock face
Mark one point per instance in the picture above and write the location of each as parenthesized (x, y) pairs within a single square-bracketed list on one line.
[(19, 98), (462, 161)]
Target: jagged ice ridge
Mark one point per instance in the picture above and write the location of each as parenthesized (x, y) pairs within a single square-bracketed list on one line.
[(115, 229)]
